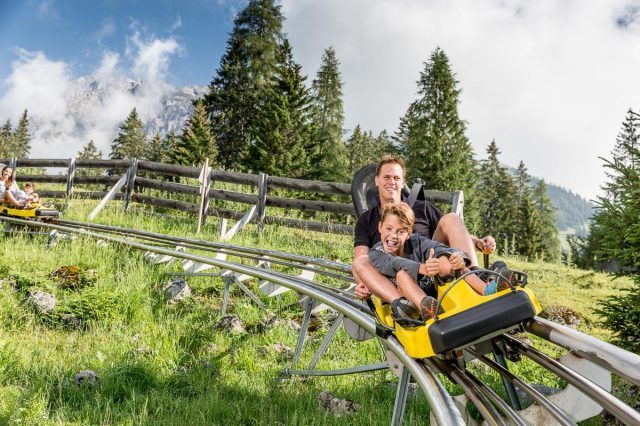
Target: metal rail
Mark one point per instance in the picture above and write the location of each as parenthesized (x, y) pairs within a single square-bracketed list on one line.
[(616, 360), (440, 402)]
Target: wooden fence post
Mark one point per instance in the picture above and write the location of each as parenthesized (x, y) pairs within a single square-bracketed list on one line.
[(205, 206), (70, 176), (131, 178), (12, 163), (204, 192), (262, 200)]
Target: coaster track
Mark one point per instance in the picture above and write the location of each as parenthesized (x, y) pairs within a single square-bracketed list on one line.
[(444, 409)]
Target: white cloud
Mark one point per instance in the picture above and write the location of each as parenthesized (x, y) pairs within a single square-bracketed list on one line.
[(67, 113), (152, 58), (107, 29), (47, 11), (550, 80), (177, 23)]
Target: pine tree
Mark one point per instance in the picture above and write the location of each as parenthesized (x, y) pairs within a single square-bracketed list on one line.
[(328, 153), (131, 140), (245, 72), (528, 223), (170, 145), (89, 152), (196, 142), (438, 150), (363, 148), (617, 212), (283, 129), (155, 150), (498, 192), (549, 243), (616, 220), (6, 140), (22, 138)]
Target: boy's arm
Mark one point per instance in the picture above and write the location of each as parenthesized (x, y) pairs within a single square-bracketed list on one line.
[(390, 265)]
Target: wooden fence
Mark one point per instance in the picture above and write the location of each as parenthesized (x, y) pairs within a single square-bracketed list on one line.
[(130, 169), (134, 168)]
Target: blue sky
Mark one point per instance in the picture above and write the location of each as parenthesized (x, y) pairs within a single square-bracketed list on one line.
[(78, 32), (549, 80)]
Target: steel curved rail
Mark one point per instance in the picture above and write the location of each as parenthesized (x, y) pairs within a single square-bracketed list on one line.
[(440, 402), (615, 359)]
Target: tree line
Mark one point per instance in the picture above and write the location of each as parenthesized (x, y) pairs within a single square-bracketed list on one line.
[(261, 115), (613, 241)]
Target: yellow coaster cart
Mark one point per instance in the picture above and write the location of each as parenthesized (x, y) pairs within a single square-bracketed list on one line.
[(467, 319), (35, 211)]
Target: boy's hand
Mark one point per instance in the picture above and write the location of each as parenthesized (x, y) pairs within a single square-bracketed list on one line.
[(432, 264), (456, 260)]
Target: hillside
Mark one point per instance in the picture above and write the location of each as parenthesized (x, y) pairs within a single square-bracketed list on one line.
[(157, 362)]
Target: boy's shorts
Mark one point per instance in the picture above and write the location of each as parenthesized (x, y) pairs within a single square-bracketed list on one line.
[(425, 283)]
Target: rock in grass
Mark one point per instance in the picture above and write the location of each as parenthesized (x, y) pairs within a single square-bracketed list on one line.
[(267, 322), (281, 349), (71, 321), (230, 323), (72, 277), (88, 377), (41, 301), (336, 405), (177, 290), (562, 315)]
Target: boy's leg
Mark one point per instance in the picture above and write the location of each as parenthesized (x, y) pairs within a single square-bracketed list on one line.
[(409, 288), (365, 273)]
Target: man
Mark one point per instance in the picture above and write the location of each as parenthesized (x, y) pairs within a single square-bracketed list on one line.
[(430, 222)]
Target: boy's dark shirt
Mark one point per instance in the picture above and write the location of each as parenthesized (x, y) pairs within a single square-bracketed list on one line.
[(416, 251), (366, 229)]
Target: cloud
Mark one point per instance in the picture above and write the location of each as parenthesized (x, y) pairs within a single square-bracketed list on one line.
[(107, 29), (550, 80), (68, 112), (177, 23), (46, 11)]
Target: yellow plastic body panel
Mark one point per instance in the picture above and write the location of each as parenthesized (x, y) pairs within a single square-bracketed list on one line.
[(33, 212), (461, 297)]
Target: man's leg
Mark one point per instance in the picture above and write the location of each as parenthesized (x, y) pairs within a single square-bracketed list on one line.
[(452, 232), (378, 284)]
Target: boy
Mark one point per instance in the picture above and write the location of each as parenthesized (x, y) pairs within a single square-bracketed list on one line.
[(405, 257)]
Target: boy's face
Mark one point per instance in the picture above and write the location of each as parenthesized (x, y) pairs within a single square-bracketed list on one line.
[(393, 234), (28, 189), (390, 182)]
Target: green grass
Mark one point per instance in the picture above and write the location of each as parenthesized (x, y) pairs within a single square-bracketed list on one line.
[(166, 364)]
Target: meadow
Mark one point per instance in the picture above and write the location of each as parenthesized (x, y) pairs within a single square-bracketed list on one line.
[(161, 363)]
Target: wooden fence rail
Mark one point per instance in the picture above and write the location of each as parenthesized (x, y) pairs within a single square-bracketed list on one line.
[(73, 176)]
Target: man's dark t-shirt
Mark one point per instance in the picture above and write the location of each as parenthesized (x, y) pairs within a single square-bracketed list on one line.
[(366, 230)]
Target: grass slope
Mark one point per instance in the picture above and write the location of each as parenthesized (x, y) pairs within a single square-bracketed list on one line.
[(167, 364)]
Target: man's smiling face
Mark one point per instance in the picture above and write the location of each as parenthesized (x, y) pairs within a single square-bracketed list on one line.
[(393, 234), (390, 182)]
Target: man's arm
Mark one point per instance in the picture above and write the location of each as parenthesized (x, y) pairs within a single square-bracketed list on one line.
[(486, 245), (361, 291)]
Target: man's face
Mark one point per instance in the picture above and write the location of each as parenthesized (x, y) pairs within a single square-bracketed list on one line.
[(390, 182), (393, 234)]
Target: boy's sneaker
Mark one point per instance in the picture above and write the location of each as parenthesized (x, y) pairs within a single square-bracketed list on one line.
[(428, 308), (502, 268), (405, 313)]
